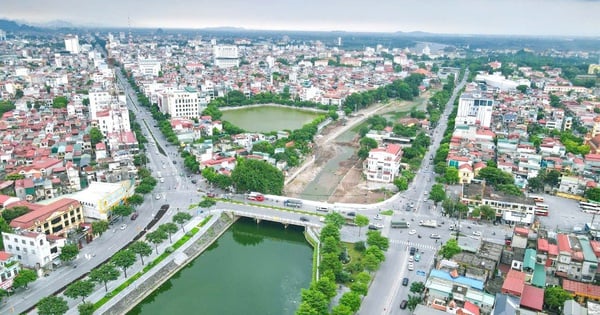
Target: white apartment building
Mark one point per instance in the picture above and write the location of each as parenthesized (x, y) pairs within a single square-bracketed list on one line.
[(474, 109), (149, 66), (113, 119), (181, 104), (72, 44), (98, 101), (32, 249), (383, 164), (226, 56)]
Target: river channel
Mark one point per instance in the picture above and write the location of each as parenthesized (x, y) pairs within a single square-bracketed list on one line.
[(269, 118), (251, 269)]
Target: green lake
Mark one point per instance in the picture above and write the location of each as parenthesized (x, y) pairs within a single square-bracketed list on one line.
[(251, 269), (269, 118)]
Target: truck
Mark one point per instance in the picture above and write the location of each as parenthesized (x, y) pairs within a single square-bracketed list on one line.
[(400, 224), (428, 223), (294, 203)]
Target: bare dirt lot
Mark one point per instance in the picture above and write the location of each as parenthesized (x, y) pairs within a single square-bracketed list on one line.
[(349, 185)]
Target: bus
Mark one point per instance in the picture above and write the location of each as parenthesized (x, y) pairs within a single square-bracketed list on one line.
[(589, 207), (294, 203), (541, 209), (537, 198)]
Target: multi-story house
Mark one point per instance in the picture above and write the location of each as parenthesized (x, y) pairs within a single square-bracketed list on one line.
[(181, 103), (475, 109), (9, 268), (511, 209), (383, 164), (33, 249)]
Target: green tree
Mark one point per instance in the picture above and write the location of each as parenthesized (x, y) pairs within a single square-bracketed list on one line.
[(169, 228), (522, 88), (360, 287), (330, 230), (80, 289), (361, 221), (99, 227), (401, 183), (10, 214), (487, 212), (437, 193), (6, 106), (370, 262), (86, 308), (413, 301), (417, 287), (124, 259), (341, 309), (450, 249), (255, 175), (141, 248), (68, 253), (104, 274), (135, 200), (326, 286), (24, 277), (60, 102), (374, 238), (352, 300), (207, 203), (315, 299), (52, 305), (451, 175), (122, 210), (157, 237), (14, 176), (494, 176), (95, 136), (476, 213), (593, 194), (4, 227), (335, 219), (181, 218), (555, 297)]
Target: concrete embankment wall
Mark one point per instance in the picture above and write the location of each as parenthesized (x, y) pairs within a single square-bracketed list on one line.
[(149, 282)]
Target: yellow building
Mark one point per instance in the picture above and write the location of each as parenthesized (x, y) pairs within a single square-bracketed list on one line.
[(594, 68), (56, 218)]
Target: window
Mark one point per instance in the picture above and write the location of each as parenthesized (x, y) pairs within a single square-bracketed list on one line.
[(22, 241), (18, 248), (31, 243)]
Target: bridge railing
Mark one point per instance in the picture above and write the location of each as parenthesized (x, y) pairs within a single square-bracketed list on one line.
[(274, 218)]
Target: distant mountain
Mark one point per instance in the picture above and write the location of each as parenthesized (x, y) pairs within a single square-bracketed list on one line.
[(55, 24), (12, 26)]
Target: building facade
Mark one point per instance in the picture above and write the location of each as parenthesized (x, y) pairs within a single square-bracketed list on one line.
[(475, 109), (32, 249), (57, 218), (383, 164)]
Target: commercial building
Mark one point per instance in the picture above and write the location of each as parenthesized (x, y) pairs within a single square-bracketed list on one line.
[(511, 209), (226, 56), (99, 198), (72, 44), (475, 108), (181, 104)]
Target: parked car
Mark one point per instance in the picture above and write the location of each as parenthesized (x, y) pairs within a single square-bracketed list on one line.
[(403, 304), (405, 281), (351, 214), (304, 219), (411, 266), (412, 251), (417, 257), (476, 233), (435, 236), (134, 216), (123, 226)]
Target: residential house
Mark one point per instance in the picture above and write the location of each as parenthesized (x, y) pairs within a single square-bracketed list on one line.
[(9, 268), (33, 249), (383, 164)]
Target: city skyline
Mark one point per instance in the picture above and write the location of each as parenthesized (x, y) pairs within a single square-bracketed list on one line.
[(487, 17)]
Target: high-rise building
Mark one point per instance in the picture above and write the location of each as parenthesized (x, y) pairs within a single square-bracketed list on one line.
[(226, 56), (72, 44), (475, 109)]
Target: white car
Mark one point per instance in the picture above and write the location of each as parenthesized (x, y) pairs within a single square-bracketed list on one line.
[(476, 233), (410, 258), (123, 226), (411, 266), (377, 217), (378, 225), (435, 236), (411, 232)]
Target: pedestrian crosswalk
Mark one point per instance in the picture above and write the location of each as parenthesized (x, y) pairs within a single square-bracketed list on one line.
[(413, 244)]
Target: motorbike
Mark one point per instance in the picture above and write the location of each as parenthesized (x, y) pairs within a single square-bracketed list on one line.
[(419, 236)]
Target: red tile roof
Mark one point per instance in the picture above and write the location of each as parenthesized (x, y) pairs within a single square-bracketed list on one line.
[(582, 289), (514, 282), (474, 309), (563, 243), (4, 256), (28, 220), (532, 298), (542, 245), (553, 249)]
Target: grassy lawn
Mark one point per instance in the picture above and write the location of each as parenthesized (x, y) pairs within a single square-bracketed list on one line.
[(387, 212), (355, 258)]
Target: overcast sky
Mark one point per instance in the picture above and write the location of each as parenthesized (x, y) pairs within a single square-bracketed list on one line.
[(528, 17)]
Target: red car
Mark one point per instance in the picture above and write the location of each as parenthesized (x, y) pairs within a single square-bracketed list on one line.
[(211, 194)]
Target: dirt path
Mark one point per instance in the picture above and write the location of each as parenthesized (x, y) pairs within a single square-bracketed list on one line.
[(352, 188)]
